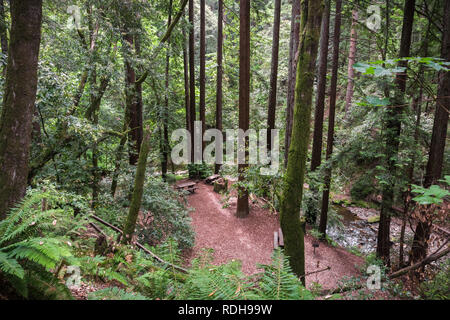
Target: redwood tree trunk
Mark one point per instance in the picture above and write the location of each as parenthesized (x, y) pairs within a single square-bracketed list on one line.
[(292, 69), (202, 105), (165, 136), (134, 105), (331, 119), (438, 139), (219, 94), (351, 62), (192, 115), (18, 101), (244, 98), (393, 129), (316, 156), (186, 81), (273, 74)]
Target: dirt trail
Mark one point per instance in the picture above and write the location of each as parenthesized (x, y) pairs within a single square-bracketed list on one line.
[(251, 239)]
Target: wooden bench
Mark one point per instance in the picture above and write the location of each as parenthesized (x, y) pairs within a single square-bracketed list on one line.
[(212, 178), (278, 240), (188, 186)]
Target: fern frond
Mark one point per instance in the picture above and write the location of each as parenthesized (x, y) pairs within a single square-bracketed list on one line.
[(10, 266), (46, 252), (278, 282)]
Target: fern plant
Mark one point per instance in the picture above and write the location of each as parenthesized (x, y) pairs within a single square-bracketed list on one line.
[(278, 282), (32, 245), (227, 282), (224, 282)]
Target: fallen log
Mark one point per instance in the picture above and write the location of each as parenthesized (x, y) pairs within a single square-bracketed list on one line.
[(140, 246), (317, 271), (427, 260), (431, 258)]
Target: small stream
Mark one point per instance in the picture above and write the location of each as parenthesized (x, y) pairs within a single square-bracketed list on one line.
[(355, 232)]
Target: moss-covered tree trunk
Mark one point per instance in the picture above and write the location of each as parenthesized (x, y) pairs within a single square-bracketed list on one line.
[(138, 189), (290, 220), (18, 101), (292, 68)]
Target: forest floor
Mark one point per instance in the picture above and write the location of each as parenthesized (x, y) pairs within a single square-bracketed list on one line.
[(251, 239)]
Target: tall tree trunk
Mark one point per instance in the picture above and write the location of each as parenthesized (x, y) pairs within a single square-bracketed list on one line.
[(132, 103), (219, 91), (351, 62), (331, 119), (138, 131), (417, 107), (311, 215), (316, 156), (165, 137), (192, 115), (438, 139), (290, 221), (136, 199), (244, 99), (186, 81), (392, 136), (202, 105), (120, 149), (97, 92), (133, 86), (274, 74), (18, 101), (292, 71)]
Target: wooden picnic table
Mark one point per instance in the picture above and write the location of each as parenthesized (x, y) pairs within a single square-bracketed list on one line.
[(212, 178), (189, 186)]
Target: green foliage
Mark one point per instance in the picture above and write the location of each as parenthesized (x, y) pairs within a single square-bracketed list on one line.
[(166, 215), (362, 188), (27, 258), (311, 206), (199, 171), (439, 287), (114, 293), (389, 67), (224, 282), (432, 195), (228, 282), (264, 186), (278, 281)]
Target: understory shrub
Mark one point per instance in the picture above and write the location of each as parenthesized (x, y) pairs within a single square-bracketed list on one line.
[(199, 171), (165, 215)]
